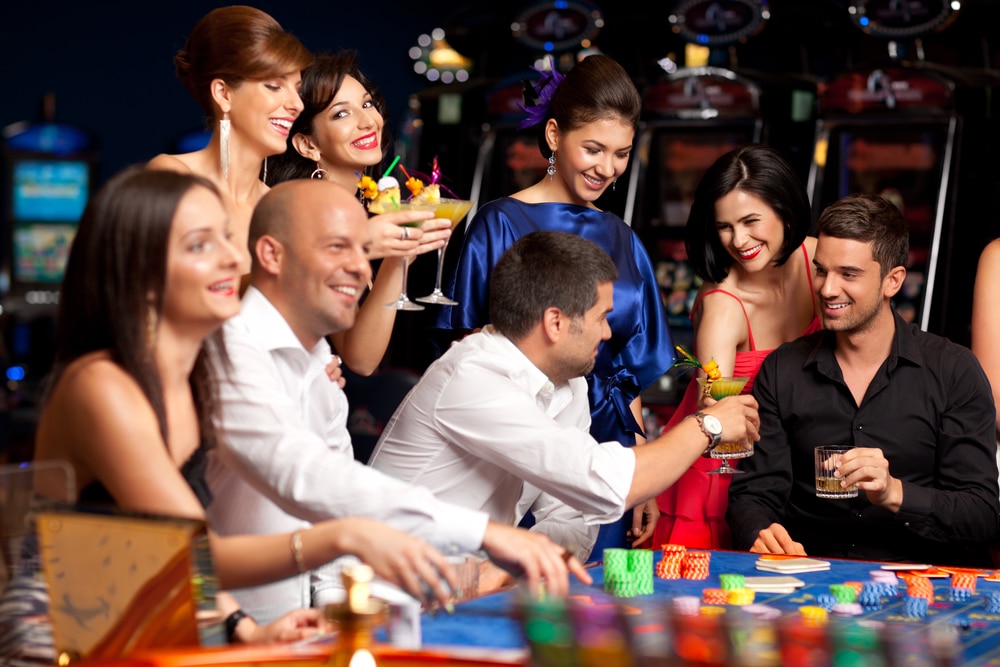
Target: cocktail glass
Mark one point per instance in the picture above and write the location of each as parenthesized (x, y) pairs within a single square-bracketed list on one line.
[(726, 451), (454, 210), (403, 301)]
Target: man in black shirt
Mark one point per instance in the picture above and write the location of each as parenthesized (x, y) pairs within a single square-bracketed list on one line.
[(916, 407)]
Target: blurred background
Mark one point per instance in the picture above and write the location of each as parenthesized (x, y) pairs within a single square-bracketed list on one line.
[(894, 97)]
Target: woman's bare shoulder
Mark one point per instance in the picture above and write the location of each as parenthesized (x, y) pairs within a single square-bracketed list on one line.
[(168, 162), (95, 380)]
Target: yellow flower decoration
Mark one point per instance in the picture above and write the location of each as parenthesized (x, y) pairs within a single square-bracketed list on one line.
[(368, 187), (414, 185)]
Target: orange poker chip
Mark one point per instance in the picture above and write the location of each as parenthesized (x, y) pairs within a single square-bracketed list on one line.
[(856, 585), (714, 596)]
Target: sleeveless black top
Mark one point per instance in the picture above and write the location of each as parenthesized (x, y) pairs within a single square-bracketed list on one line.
[(193, 472)]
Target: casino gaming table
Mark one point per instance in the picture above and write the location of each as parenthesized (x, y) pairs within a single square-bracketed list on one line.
[(491, 621), (487, 631)]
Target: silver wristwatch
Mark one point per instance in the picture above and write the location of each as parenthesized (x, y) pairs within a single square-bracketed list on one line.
[(712, 428)]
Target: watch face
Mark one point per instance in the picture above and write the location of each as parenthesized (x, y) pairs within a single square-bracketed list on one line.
[(712, 424)]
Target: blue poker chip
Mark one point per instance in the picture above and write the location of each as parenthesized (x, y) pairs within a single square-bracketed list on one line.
[(914, 607), (993, 603), (959, 595), (826, 601)]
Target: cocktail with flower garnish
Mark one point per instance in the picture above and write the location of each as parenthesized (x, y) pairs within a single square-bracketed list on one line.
[(717, 387), (385, 197), (452, 209)]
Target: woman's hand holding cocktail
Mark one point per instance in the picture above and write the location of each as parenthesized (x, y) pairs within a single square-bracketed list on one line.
[(388, 239)]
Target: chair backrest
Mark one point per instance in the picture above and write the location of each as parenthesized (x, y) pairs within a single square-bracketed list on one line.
[(17, 489), (122, 582)]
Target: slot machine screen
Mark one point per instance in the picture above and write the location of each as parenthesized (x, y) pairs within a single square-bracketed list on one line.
[(47, 199), (905, 163), (678, 157), (515, 164)]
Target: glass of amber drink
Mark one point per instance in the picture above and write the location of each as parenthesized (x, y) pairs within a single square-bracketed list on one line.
[(827, 485)]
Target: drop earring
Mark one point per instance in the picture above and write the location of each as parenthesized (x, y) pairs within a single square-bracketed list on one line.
[(151, 324), (224, 128), (613, 184), (319, 173), (551, 171)]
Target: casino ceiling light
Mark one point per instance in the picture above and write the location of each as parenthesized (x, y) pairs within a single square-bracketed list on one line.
[(434, 59)]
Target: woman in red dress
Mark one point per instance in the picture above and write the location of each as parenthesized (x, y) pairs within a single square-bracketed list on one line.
[(746, 238)]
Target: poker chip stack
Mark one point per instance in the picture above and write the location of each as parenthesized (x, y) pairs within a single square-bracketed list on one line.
[(736, 591), (870, 597), (919, 587), (963, 586), (826, 600), (993, 603), (713, 596), (914, 607), (669, 566), (813, 616), (888, 581), (695, 565), (844, 593), (628, 572)]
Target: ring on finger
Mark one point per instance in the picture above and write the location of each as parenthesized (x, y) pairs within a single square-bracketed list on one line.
[(406, 233)]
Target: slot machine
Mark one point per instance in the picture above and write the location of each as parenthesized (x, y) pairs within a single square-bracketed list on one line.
[(48, 175), (919, 134), (691, 116)]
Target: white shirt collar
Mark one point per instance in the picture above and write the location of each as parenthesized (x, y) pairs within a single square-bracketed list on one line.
[(271, 329), (529, 376)]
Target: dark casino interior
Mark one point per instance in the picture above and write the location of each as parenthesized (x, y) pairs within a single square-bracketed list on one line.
[(905, 105)]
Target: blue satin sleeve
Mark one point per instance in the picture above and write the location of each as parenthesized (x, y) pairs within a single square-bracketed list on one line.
[(640, 349)]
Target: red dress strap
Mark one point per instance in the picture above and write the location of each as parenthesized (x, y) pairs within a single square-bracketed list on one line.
[(698, 299)]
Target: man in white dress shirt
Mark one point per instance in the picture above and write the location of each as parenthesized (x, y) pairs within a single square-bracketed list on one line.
[(285, 456), (502, 418)]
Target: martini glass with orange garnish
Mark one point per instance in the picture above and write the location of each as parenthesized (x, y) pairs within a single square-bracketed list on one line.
[(727, 451)]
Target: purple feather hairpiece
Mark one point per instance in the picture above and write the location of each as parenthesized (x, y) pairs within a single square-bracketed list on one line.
[(541, 93)]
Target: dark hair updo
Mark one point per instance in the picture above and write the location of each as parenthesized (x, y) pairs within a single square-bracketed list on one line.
[(236, 44)]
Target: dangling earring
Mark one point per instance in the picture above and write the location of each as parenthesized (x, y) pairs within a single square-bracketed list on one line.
[(551, 171), (151, 323), (224, 127), (264, 177), (319, 174), (613, 184)]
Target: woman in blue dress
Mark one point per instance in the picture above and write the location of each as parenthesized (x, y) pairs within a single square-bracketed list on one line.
[(587, 123)]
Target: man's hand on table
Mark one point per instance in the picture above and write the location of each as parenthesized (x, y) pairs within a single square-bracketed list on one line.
[(533, 557), (775, 540)]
